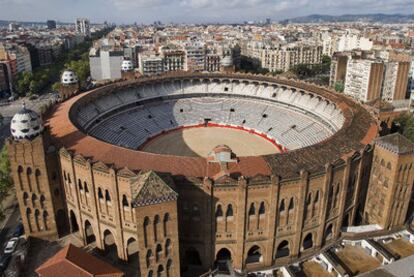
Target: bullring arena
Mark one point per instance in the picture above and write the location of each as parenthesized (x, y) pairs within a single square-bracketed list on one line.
[(180, 172)]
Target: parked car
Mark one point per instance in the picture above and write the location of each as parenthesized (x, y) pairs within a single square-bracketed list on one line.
[(12, 98), (11, 246), (4, 261), (19, 230)]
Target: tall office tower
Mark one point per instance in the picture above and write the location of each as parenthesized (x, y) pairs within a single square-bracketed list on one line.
[(391, 182), (36, 177), (83, 27), (51, 24)]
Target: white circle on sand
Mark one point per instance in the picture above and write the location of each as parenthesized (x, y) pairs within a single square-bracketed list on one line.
[(199, 141)]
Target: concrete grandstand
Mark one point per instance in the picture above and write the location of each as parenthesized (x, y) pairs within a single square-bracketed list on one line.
[(290, 118)]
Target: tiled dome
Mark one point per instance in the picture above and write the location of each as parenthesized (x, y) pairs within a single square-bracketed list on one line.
[(69, 77), (127, 65), (26, 124)]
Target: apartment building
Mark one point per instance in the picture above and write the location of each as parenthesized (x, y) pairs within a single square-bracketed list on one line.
[(83, 27), (370, 75), (195, 53), (150, 64), (20, 53), (105, 63), (364, 78), (284, 57)]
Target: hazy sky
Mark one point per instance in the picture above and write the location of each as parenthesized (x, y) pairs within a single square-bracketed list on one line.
[(147, 11)]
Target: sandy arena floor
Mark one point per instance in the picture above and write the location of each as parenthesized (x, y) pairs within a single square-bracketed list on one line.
[(198, 142)]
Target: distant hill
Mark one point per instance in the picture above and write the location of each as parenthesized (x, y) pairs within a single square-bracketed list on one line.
[(378, 17)]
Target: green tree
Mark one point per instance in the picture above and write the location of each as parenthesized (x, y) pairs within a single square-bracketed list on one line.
[(23, 83), (56, 86), (406, 124), (339, 86), (5, 176), (34, 86)]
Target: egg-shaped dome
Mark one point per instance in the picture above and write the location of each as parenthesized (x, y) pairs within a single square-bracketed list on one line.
[(69, 77), (226, 61), (26, 124), (127, 65)]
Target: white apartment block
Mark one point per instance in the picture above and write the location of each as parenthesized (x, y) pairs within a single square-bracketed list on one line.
[(346, 42), (83, 27), (359, 77), (105, 64), (195, 57), (150, 65), (285, 57)]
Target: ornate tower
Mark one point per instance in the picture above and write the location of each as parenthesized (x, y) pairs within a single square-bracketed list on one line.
[(69, 84), (35, 172), (391, 182), (127, 70)]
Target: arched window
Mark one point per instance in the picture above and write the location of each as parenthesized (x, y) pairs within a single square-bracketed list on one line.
[(316, 197), (80, 185), (283, 249), (156, 226), (148, 257), (282, 206), (42, 201), (166, 224), (219, 211), (291, 204), (308, 241), (37, 219), (309, 199), (34, 199), (125, 201), (85, 186), (160, 270), (252, 210), (229, 211), (146, 230), (100, 194), (37, 177), (389, 165), (25, 198), (167, 247), (20, 173), (29, 218), (169, 265), (262, 208), (29, 177), (107, 196), (159, 252), (45, 219)]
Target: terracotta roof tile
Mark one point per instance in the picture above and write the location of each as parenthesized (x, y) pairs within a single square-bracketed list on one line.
[(73, 261)]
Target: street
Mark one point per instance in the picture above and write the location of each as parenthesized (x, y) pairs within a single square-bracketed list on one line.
[(10, 225)]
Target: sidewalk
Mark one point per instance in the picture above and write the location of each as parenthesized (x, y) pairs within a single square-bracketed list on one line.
[(9, 204)]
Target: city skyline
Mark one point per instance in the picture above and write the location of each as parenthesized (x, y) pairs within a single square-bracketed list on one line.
[(190, 11)]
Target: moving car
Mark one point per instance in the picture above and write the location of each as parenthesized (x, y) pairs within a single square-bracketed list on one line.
[(11, 246)]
